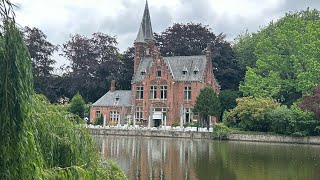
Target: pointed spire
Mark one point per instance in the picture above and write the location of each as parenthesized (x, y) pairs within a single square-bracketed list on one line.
[(145, 31)]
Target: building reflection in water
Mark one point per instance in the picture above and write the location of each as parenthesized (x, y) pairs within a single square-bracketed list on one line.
[(175, 159), (154, 158)]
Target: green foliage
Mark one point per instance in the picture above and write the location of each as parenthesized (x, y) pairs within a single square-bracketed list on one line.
[(244, 49), (305, 124), (18, 149), (68, 149), (98, 120), (250, 113), (175, 124), (282, 120), (220, 131), (287, 54), (228, 99), (266, 115), (187, 125), (207, 103), (38, 141), (77, 105)]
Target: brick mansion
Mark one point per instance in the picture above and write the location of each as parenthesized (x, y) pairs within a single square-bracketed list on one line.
[(163, 89)]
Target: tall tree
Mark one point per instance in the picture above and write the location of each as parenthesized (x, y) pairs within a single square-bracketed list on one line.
[(207, 104), (41, 51), (244, 48), (288, 63), (77, 105), (126, 72), (228, 99), (191, 39), (94, 63)]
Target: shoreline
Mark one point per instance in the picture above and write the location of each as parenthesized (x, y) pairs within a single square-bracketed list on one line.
[(312, 140)]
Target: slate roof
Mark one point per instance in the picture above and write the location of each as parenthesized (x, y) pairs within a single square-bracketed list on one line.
[(176, 65), (109, 99), (145, 31)]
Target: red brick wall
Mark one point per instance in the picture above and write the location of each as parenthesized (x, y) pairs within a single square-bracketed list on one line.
[(106, 111), (175, 92)]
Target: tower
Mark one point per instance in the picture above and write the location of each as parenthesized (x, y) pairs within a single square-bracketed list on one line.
[(145, 42)]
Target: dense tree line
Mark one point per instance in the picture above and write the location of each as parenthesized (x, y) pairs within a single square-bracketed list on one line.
[(96, 60), (282, 77), (279, 62)]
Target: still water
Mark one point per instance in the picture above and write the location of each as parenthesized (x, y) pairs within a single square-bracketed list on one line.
[(175, 159)]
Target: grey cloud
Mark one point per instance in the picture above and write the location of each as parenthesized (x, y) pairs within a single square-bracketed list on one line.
[(290, 5), (125, 23)]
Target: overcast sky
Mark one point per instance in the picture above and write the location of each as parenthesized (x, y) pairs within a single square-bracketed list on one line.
[(121, 18)]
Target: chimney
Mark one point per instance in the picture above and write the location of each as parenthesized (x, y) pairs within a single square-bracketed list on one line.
[(113, 86), (208, 51)]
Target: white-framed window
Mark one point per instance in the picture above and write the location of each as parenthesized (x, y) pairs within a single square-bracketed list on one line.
[(114, 116), (153, 92), (139, 113), (187, 115), (139, 92), (98, 114), (187, 93), (163, 92)]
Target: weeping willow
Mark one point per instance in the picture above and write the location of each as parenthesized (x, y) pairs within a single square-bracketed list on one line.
[(37, 140)]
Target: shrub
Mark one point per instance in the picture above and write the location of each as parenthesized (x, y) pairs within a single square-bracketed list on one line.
[(249, 114), (98, 121), (305, 124), (282, 120), (187, 124), (293, 121), (220, 131), (227, 120), (175, 124)]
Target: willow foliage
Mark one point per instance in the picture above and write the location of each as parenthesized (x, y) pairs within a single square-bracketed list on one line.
[(37, 139), (67, 148), (18, 149)]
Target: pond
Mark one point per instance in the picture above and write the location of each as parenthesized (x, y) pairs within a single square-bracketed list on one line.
[(175, 159)]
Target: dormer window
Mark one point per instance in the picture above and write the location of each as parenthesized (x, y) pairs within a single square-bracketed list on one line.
[(158, 73), (117, 100), (143, 72), (184, 71), (195, 70)]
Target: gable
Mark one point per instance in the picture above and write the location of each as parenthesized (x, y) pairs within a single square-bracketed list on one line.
[(176, 65)]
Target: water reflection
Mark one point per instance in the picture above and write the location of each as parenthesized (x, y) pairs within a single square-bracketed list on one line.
[(174, 159)]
